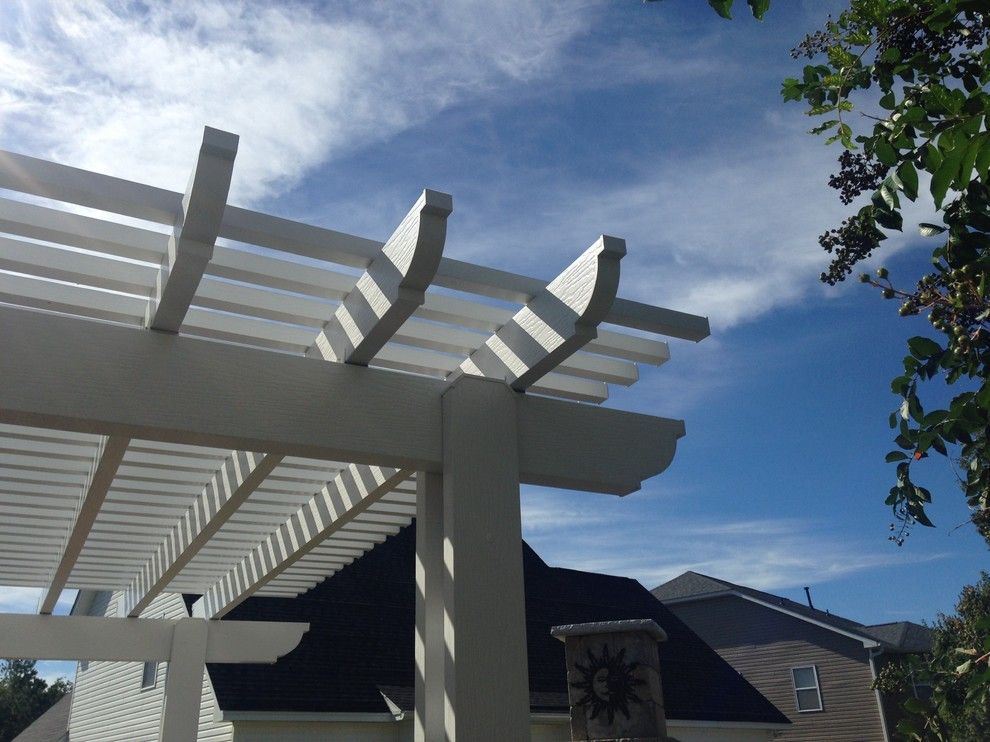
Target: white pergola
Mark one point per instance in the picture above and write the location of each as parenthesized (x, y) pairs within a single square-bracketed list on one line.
[(200, 398)]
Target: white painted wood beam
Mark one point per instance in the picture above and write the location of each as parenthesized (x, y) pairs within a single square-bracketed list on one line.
[(105, 464), (391, 288), (195, 232), (240, 475), (97, 638), (555, 323), (95, 377), (51, 180), (344, 498)]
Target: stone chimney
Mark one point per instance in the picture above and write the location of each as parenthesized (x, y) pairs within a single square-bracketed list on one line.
[(613, 680)]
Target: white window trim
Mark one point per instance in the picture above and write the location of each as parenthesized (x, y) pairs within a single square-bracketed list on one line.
[(817, 687)]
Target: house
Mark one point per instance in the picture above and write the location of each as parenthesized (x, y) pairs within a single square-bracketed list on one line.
[(814, 666), (352, 675)]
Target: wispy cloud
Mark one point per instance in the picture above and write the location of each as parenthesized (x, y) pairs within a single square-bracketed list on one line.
[(603, 535), (126, 87)]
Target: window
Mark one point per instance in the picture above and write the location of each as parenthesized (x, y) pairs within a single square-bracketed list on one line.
[(149, 675), (806, 689)]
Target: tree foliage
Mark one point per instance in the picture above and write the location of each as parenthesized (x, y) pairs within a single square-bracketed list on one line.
[(24, 696), (926, 65), (956, 670), (900, 85)]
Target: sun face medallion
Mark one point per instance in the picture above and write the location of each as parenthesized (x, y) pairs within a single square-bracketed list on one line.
[(608, 683)]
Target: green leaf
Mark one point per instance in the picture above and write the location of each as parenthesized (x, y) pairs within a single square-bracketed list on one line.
[(896, 456), (759, 8), (722, 7), (884, 152), (922, 347), (946, 174), (983, 158), (888, 101), (930, 230), (909, 179), (967, 163), (889, 219), (915, 706)]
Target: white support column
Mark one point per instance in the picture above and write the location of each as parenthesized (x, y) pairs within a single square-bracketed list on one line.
[(486, 674), (184, 681), (392, 287), (108, 457), (429, 716), (191, 245)]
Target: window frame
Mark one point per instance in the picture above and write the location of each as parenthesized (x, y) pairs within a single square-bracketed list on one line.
[(817, 687), (154, 675), (144, 670)]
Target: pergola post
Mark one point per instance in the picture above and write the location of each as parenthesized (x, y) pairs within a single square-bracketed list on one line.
[(184, 681), (486, 675), (429, 714)]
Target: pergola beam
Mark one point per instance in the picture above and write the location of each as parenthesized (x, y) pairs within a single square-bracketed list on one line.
[(348, 495), (225, 396), (556, 323), (109, 454), (99, 638), (241, 474), (391, 288), (64, 183), (195, 232)]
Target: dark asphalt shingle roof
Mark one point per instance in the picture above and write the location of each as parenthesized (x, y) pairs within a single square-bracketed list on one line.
[(51, 726), (903, 636), (360, 643)]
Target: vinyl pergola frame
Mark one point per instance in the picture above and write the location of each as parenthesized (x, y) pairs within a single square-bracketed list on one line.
[(159, 383)]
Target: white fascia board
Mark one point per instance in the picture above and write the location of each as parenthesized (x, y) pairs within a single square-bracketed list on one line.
[(868, 643)]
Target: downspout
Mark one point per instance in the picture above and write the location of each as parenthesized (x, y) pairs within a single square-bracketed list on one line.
[(874, 653)]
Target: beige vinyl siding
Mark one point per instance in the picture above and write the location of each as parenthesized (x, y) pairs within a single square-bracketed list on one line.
[(108, 703), (764, 644)]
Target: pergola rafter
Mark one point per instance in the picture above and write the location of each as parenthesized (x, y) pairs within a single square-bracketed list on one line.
[(200, 333)]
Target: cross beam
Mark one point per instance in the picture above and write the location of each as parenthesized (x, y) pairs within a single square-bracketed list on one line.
[(348, 495), (240, 474), (191, 245), (556, 323), (73, 374), (109, 454), (392, 287)]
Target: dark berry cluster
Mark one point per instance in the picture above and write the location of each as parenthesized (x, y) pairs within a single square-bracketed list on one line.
[(858, 173), (853, 240), (907, 32)]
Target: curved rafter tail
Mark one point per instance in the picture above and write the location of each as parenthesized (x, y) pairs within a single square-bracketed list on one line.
[(391, 288), (556, 323)]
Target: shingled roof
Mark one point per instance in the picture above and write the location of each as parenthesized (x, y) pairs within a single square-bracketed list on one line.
[(360, 643), (902, 636)]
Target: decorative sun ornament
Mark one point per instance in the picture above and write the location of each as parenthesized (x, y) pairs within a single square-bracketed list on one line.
[(608, 683)]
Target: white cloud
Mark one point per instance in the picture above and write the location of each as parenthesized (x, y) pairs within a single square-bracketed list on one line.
[(125, 88), (628, 538)]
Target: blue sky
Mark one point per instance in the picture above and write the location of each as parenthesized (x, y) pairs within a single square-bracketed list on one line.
[(551, 123)]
